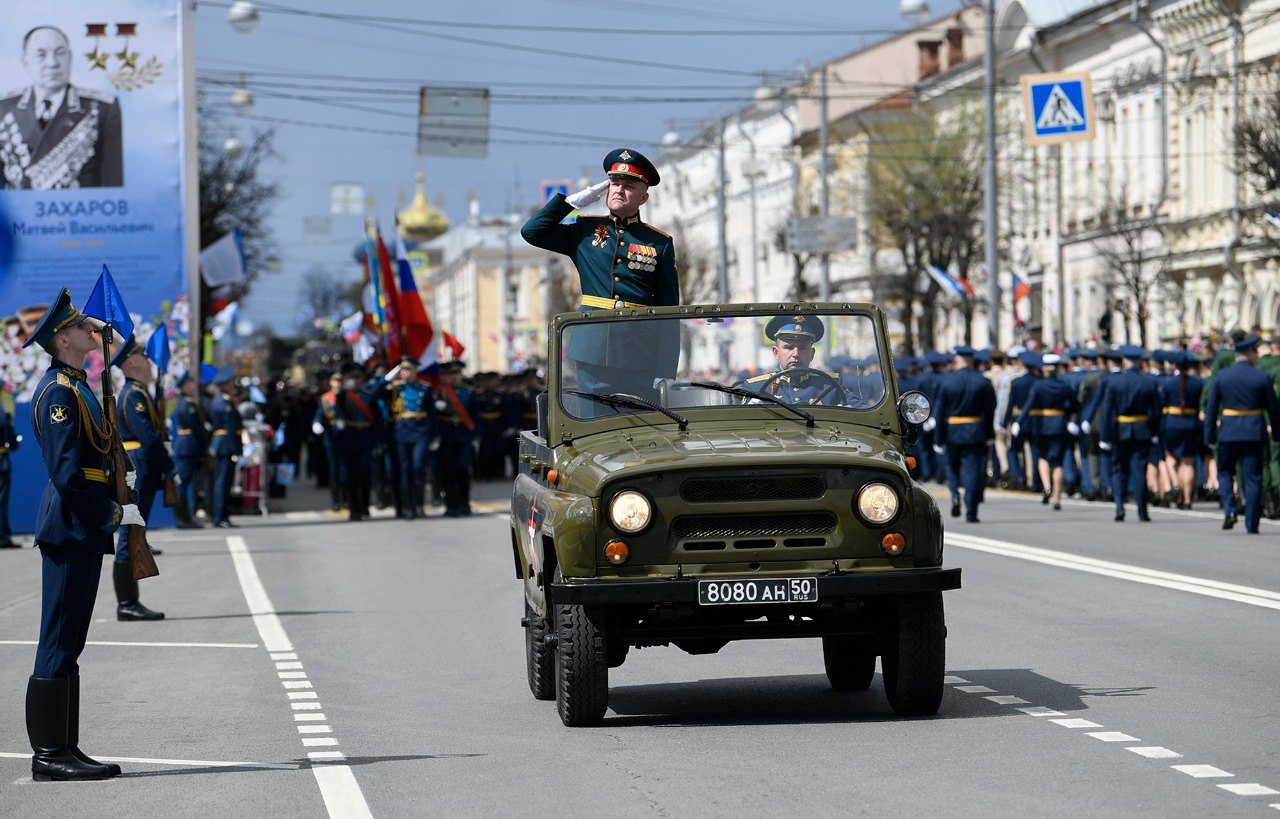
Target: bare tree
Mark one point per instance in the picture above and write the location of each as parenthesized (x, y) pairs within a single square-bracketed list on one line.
[(1258, 136), (926, 201), (801, 289), (328, 293), (1135, 258)]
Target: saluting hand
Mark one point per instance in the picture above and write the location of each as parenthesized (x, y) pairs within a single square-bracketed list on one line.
[(588, 196)]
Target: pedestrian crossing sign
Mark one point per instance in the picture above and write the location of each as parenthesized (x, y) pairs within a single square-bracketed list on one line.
[(1059, 107)]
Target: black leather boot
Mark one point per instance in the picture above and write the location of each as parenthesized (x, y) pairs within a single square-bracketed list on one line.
[(52, 760), (73, 729), (127, 605)]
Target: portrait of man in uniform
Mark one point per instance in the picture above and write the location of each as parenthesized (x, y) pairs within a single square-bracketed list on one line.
[(55, 135)]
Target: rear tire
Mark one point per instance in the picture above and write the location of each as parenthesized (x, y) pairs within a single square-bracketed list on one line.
[(582, 667), (850, 667), (540, 659), (915, 663)]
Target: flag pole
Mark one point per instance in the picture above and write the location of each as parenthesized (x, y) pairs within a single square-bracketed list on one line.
[(142, 563)]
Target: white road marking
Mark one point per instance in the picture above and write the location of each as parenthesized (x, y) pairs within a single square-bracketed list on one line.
[(1041, 711), (303, 695), (1263, 598), (321, 756), (1113, 736), (1155, 752), (953, 680), (338, 786), (292, 675), (284, 655), (1249, 789), (1005, 699), (1201, 771), (197, 763), (975, 689), (1075, 723), (141, 644), (287, 666), (305, 706), (309, 717)]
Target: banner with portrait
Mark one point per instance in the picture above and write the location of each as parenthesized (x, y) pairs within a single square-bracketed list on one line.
[(94, 169)]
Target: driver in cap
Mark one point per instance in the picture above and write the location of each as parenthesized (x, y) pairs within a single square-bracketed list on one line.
[(793, 340)]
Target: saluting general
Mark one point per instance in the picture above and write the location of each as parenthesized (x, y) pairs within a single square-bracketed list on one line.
[(74, 526), (622, 263), (54, 134), (1241, 405)]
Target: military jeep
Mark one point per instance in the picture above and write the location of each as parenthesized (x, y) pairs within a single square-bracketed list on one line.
[(700, 476)]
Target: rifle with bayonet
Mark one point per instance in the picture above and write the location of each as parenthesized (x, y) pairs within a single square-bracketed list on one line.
[(142, 563)]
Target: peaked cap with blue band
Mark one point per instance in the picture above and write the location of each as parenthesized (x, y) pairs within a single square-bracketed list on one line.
[(800, 328), (59, 316)]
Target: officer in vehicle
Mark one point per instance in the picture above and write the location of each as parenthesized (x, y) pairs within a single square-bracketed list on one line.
[(140, 425), (1127, 427), (795, 381), (456, 411), (189, 430), (74, 526), (622, 262), (226, 446), (1048, 420), (966, 414), (1241, 405)]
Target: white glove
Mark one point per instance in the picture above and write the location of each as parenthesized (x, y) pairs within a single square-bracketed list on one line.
[(1105, 446), (130, 478), (391, 376), (19, 439), (317, 427), (929, 424), (1155, 439), (1087, 427), (440, 405), (130, 516), (588, 196), (1073, 428), (177, 479), (1014, 429), (340, 424), (434, 445), (939, 448)]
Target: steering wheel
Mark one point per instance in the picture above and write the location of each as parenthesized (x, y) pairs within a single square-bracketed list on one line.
[(832, 383)]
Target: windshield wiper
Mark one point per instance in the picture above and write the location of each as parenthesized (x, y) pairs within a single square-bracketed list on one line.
[(746, 393), (623, 399)]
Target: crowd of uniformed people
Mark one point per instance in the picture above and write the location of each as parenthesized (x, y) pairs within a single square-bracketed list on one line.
[(1166, 427)]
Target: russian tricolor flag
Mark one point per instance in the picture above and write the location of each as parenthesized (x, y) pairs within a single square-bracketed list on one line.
[(951, 285)]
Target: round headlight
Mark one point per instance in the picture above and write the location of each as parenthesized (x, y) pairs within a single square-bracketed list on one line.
[(877, 503), (914, 407), (630, 511)]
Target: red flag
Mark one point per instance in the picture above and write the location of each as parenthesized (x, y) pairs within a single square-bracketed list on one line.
[(414, 320), (390, 295), (454, 345)]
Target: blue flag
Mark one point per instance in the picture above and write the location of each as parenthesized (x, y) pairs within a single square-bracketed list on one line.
[(158, 348), (107, 305)]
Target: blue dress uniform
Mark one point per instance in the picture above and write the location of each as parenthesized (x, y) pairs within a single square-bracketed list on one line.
[(226, 446), (350, 420), (1129, 422), (1238, 398), (189, 430), (804, 386), (8, 443), (1091, 414), (1181, 430), (1019, 389), (1049, 408), (490, 424), (456, 411), (621, 262), (74, 527), (413, 408), (966, 413)]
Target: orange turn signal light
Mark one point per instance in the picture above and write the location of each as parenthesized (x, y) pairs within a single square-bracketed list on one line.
[(553, 477), (911, 462), (617, 552), (893, 544)]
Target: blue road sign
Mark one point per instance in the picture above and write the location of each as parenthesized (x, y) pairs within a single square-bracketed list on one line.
[(550, 189), (1059, 106)]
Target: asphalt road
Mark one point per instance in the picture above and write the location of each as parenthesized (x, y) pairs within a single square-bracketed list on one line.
[(1096, 669)]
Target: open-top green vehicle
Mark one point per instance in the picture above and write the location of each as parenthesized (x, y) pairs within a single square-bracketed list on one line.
[(694, 481)]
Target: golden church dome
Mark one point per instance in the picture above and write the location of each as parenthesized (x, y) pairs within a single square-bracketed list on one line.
[(422, 221)]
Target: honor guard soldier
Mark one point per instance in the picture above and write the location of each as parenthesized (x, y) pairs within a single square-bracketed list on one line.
[(456, 411), (190, 434), (140, 426), (490, 424), (349, 420), (966, 422), (1048, 420), (795, 381), (74, 528), (1127, 429), (9, 440), (225, 444), (1181, 430), (413, 408), (1242, 403), (622, 263)]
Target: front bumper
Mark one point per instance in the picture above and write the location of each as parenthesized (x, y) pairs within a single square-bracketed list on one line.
[(685, 589)]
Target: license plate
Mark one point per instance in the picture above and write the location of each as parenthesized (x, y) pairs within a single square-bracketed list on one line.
[(758, 590)]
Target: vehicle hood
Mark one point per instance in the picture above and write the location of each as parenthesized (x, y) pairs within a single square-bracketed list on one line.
[(588, 462)]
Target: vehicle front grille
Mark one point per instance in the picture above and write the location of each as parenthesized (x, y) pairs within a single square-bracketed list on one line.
[(699, 527), (728, 490)]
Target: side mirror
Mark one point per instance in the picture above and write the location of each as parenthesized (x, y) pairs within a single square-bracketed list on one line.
[(914, 407)]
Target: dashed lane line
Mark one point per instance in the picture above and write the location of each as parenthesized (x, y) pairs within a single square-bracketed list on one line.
[(342, 796), (1263, 598)]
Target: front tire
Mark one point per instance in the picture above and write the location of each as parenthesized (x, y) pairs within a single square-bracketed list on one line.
[(915, 663), (582, 665), (850, 667), (540, 659)]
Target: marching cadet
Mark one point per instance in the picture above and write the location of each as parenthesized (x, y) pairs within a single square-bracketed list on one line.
[(1048, 420), (1127, 429), (966, 414), (1093, 391), (622, 262), (190, 434), (225, 444), (74, 526), (1181, 430), (140, 426), (1019, 389), (490, 424), (456, 412), (1240, 394), (9, 440), (414, 411)]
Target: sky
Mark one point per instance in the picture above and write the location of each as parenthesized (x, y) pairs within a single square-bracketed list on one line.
[(569, 80)]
